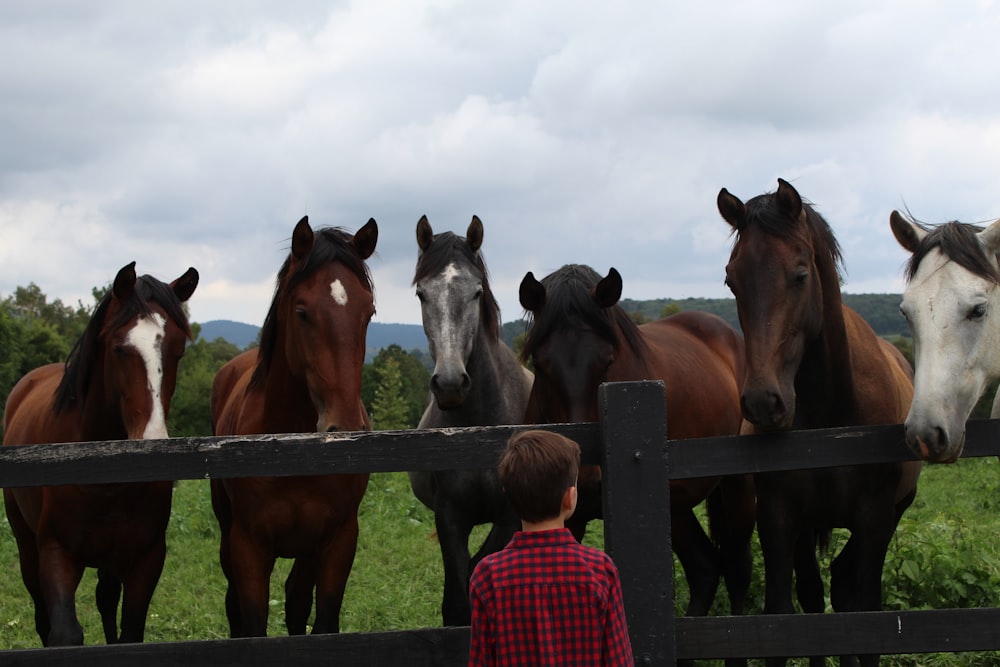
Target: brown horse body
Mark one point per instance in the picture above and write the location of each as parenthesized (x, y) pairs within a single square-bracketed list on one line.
[(812, 362), (579, 338), (304, 377), (133, 343)]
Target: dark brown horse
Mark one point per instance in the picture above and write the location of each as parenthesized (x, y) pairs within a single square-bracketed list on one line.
[(117, 384), (812, 362), (581, 337), (304, 377)]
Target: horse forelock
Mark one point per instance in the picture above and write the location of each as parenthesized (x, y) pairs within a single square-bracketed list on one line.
[(81, 360), (763, 213), (958, 242), (443, 250), (569, 304), (330, 245)]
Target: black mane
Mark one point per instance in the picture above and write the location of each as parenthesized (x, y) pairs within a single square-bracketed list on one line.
[(569, 302), (330, 244), (442, 251), (958, 242), (81, 361)]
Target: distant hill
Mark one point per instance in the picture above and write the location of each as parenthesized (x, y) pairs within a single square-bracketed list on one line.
[(881, 311), (408, 336)]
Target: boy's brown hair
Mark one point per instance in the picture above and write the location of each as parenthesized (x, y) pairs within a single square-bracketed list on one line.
[(535, 470)]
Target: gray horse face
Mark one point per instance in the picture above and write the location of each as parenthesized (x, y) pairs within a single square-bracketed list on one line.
[(450, 304)]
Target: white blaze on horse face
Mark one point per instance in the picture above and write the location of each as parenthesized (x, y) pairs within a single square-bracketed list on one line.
[(338, 292), (146, 337)]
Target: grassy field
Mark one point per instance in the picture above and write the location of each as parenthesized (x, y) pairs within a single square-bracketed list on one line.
[(945, 554)]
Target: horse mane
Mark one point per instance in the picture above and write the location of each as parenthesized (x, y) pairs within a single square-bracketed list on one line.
[(569, 302), (330, 244), (81, 360), (438, 256), (958, 242), (764, 212)]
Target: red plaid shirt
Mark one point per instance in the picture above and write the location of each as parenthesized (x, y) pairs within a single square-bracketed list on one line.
[(545, 599)]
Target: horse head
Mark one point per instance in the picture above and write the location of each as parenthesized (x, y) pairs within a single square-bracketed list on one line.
[(951, 303), (127, 358), (456, 305), (782, 271), (574, 339), (317, 324)]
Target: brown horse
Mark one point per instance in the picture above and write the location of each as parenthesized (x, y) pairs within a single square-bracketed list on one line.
[(581, 337), (117, 384), (304, 377), (812, 362)]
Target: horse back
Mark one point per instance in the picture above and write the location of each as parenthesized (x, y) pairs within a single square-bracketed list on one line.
[(28, 413), (700, 359), (228, 386), (883, 378)]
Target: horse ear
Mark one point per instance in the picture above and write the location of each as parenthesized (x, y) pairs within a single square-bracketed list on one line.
[(990, 237), (184, 286), (474, 235), (365, 239), (609, 290), (788, 199), (731, 208), (425, 235), (531, 293), (124, 283), (302, 238), (909, 234)]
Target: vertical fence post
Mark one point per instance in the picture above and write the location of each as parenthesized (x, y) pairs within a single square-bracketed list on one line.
[(636, 501)]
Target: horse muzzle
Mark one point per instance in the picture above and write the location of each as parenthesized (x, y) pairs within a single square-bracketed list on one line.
[(933, 443), (766, 409)]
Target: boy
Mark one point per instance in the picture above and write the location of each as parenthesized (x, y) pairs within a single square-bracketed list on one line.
[(545, 599)]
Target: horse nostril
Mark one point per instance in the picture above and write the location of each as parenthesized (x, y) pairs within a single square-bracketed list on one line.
[(331, 429)]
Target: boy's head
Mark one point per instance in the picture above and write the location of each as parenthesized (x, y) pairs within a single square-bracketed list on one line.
[(536, 470)]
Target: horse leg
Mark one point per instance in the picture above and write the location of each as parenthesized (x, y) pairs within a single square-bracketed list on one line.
[(138, 586), (334, 569), (224, 515), (732, 514), (778, 545), (299, 588), (498, 538), (60, 576), (249, 577), (27, 551), (698, 557), (453, 531), (107, 595)]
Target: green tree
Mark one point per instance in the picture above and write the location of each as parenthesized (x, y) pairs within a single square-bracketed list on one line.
[(414, 381), (389, 409), (190, 414), (670, 309)]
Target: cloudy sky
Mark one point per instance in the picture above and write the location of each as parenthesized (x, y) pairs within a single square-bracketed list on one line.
[(187, 133)]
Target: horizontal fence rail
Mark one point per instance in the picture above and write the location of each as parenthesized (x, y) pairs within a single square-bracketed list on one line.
[(623, 443)]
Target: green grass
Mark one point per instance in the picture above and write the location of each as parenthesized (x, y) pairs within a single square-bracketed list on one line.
[(945, 554)]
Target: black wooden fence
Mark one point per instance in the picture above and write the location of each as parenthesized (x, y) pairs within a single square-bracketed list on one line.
[(630, 444)]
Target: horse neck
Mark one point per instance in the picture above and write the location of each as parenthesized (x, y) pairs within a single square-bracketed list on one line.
[(100, 419), (287, 403), (493, 369), (824, 383)]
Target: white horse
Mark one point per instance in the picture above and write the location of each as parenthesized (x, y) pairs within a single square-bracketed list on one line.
[(952, 304)]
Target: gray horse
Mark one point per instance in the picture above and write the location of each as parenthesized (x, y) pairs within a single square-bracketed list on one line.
[(477, 381)]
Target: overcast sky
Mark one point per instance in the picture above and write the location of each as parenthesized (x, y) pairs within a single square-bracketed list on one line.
[(186, 133)]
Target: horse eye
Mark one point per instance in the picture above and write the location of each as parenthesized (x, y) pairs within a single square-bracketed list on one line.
[(420, 295), (903, 313), (301, 313), (978, 311), (801, 278), (478, 294)]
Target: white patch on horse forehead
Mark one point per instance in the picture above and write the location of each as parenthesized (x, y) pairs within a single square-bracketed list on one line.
[(450, 273), (338, 292), (146, 337)]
